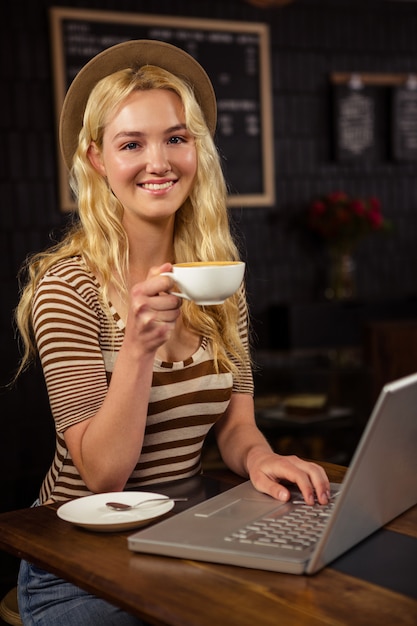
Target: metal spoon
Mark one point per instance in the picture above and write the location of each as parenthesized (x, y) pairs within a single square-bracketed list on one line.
[(121, 506)]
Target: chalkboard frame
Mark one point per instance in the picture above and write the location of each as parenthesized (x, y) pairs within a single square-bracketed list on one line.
[(262, 196)]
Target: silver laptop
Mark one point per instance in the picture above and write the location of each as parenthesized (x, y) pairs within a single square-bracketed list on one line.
[(246, 528)]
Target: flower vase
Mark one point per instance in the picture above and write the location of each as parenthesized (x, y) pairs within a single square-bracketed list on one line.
[(341, 276)]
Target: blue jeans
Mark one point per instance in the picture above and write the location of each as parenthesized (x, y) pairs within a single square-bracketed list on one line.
[(46, 600)]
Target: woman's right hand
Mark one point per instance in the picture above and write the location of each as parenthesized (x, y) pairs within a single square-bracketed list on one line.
[(152, 311)]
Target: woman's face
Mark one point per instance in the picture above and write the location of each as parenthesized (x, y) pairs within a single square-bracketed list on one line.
[(148, 158)]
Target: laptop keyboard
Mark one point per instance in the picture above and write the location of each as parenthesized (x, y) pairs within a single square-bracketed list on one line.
[(298, 529)]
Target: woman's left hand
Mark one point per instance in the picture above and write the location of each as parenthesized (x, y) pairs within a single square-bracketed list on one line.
[(267, 469), (245, 450)]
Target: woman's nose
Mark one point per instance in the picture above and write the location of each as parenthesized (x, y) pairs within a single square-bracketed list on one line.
[(157, 160)]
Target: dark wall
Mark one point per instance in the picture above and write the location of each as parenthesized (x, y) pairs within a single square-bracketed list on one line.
[(309, 40)]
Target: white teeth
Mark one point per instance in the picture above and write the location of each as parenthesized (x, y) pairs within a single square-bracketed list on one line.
[(155, 186)]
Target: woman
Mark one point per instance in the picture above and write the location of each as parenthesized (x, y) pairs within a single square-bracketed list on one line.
[(135, 377)]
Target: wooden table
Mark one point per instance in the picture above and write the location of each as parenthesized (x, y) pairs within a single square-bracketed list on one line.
[(179, 592)]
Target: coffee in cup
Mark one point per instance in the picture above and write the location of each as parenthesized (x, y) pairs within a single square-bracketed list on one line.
[(207, 282)]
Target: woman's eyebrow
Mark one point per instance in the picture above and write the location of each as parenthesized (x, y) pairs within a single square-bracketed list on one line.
[(175, 128), (128, 133), (138, 133)]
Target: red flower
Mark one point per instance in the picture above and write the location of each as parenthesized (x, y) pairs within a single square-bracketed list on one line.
[(375, 219), (342, 221), (358, 207), (318, 207)]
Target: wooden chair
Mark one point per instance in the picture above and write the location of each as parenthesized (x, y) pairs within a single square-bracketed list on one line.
[(9, 610), (390, 351)]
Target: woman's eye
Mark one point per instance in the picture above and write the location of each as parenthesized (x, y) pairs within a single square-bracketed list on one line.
[(176, 139), (132, 145)]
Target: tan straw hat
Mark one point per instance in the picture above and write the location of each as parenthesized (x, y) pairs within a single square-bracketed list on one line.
[(136, 54)]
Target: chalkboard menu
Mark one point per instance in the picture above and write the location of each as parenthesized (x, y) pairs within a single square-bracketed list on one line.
[(354, 122), (404, 123), (234, 54)]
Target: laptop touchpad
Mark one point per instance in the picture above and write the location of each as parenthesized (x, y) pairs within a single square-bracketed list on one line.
[(239, 508)]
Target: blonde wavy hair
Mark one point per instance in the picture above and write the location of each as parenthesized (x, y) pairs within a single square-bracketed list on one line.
[(202, 230)]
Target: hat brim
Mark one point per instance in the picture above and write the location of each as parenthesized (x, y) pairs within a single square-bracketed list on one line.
[(135, 53)]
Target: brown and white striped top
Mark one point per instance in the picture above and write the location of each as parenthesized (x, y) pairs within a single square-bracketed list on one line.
[(78, 349)]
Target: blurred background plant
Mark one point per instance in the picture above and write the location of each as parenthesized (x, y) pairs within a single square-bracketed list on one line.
[(341, 222)]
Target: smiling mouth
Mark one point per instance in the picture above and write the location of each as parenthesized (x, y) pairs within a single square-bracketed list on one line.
[(157, 186)]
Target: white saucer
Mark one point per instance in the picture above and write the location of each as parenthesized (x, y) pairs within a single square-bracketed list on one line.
[(91, 511)]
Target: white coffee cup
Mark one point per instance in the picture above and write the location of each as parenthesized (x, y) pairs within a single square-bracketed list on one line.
[(207, 282)]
